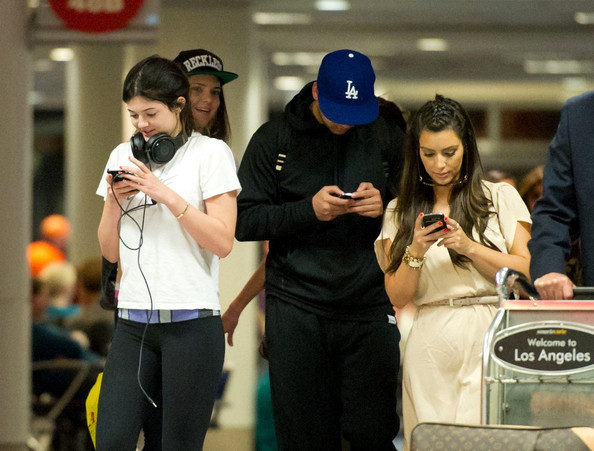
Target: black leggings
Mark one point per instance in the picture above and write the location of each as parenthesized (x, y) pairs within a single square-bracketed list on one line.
[(180, 369)]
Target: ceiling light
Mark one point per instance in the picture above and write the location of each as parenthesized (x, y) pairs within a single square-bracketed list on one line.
[(282, 59), (584, 18), (575, 84), (558, 67), (61, 54), (287, 83), (332, 5), (297, 58), (281, 18), (432, 45)]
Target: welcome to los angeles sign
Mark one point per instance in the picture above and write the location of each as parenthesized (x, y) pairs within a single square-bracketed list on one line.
[(545, 347)]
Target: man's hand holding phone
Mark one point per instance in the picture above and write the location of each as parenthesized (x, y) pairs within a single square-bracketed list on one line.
[(343, 195), (330, 202), (368, 199)]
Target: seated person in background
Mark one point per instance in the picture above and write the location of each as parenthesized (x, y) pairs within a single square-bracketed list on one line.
[(60, 279), (94, 321), (530, 187), (52, 343)]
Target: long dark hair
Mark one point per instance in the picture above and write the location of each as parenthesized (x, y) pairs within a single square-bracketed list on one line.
[(468, 203), (159, 79), (219, 126)]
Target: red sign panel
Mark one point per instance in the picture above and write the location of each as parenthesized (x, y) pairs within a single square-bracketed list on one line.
[(96, 16)]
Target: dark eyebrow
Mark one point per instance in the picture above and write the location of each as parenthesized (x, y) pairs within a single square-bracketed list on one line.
[(453, 147), (197, 83), (143, 111)]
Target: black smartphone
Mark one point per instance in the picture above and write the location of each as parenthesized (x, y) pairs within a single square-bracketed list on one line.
[(343, 196), (432, 218), (117, 174)]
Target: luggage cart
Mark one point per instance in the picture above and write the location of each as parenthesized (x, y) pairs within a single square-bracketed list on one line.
[(538, 358)]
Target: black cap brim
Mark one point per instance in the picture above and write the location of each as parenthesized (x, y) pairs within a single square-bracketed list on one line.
[(347, 114)]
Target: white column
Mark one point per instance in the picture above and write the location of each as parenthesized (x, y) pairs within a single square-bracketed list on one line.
[(92, 129), (16, 180)]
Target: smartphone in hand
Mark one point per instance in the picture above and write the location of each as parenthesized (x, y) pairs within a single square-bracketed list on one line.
[(432, 218), (343, 195), (117, 175)]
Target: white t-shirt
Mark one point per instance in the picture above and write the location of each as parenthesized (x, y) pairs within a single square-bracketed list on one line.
[(171, 271), (440, 279)]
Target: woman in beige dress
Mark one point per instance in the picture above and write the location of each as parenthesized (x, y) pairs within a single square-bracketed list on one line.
[(447, 269)]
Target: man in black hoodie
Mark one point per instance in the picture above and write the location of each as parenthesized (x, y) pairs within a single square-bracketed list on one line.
[(314, 183)]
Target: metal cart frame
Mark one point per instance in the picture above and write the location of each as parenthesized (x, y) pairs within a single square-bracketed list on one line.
[(538, 358)]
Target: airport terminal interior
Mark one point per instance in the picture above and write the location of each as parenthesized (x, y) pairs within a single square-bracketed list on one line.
[(511, 63)]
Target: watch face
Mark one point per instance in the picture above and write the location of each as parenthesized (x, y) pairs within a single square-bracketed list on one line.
[(411, 261)]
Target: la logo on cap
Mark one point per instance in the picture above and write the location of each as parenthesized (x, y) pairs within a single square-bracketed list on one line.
[(351, 92)]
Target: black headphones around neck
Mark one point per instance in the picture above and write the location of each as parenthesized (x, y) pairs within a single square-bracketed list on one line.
[(159, 148)]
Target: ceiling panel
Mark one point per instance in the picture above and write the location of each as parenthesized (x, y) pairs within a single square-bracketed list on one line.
[(489, 41)]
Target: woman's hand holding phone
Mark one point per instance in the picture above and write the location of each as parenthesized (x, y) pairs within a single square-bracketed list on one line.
[(432, 218), (119, 189), (429, 228)]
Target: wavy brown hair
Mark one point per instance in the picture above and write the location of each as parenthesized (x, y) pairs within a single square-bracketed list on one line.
[(468, 203)]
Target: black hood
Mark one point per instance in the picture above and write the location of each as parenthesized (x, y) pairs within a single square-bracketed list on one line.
[(298, 113)]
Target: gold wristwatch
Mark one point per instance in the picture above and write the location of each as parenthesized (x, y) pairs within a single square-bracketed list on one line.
[(412, 262)]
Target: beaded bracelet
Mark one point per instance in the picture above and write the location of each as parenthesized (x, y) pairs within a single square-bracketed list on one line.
[(412, 262)]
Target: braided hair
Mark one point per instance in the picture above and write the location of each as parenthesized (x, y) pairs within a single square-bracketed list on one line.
[(468, 203)]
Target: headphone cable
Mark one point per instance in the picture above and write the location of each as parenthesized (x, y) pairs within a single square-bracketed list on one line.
[(126, 212)]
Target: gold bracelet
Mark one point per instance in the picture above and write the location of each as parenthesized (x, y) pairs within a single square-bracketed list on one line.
[(411, 261), (181, 215)]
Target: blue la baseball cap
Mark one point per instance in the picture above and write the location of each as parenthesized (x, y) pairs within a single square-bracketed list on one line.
[(345, 88)]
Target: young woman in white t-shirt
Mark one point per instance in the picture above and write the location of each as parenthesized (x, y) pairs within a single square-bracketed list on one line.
[(168, 217)]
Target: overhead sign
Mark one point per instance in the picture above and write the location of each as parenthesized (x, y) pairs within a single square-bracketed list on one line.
[(546, 347), (96, 16)]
